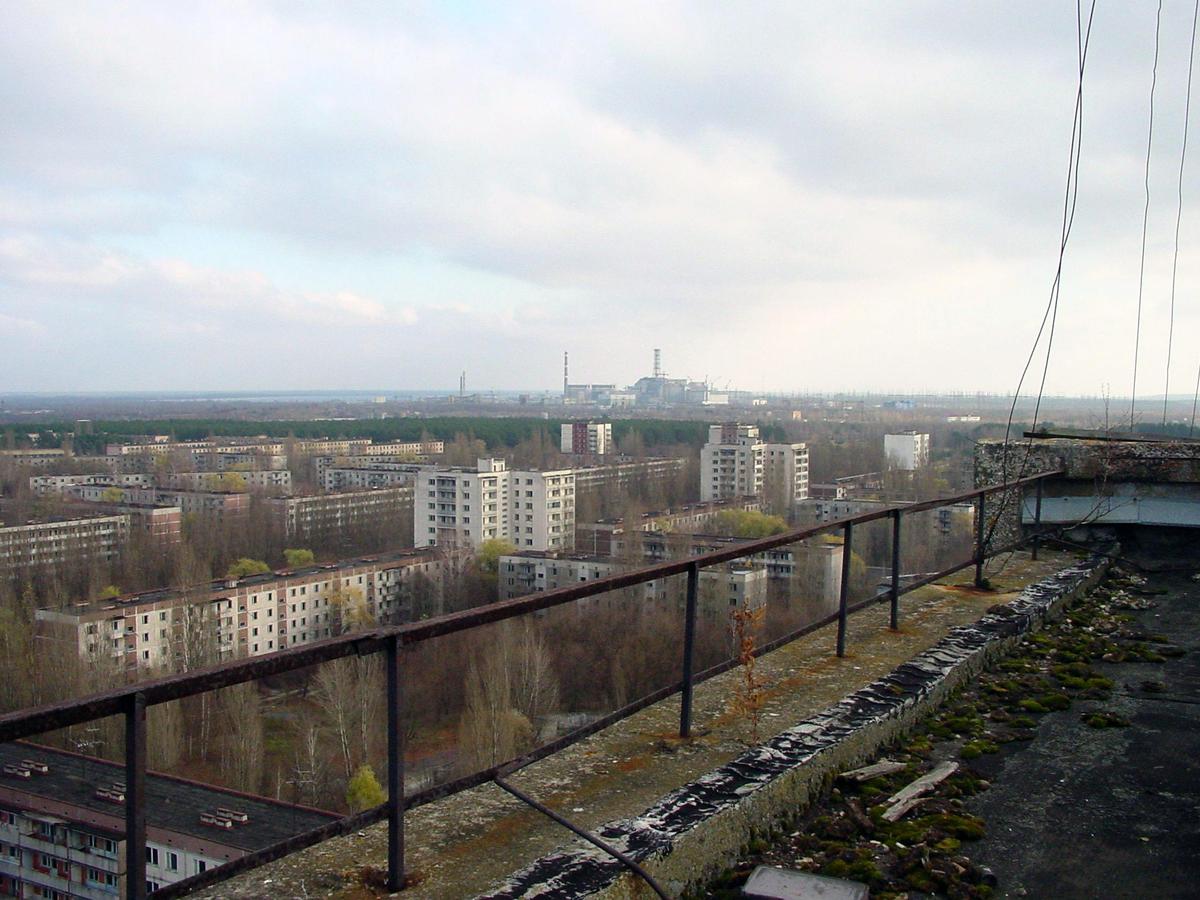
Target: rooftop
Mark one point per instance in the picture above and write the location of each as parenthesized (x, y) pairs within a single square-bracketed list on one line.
[(173, 804)]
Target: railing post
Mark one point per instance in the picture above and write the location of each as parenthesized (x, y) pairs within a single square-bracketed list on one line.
[(689, 646), (979, 540), (1037, 520), (395, 722), (135, 796), (895, 618), (845, 589)]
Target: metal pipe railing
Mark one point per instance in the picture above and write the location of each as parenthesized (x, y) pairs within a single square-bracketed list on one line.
[(132, 701)]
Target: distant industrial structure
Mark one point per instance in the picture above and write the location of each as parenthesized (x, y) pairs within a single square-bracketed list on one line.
[(654, 391)]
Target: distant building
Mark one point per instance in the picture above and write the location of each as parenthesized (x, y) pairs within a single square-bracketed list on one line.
[(908, 450), (325, 447), (49, 543), (219, 504), (586, 437), (464, 507), (367, 477), (251, 616), (598, 538), (827, 491), (722, 588), (737, 463), (621, 476), (271, 480), (32, 459), (414, 449), (829, 509), (49, 485), (62, 825), (303, 518)]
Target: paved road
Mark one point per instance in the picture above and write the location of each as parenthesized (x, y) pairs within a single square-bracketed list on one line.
[(1111, 813)]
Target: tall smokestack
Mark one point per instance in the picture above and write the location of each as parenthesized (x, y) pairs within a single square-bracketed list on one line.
[(657, 363), (564, 375), (462, 384)]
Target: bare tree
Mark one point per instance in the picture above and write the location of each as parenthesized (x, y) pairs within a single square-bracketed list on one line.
[(241, 745), (506, 690)]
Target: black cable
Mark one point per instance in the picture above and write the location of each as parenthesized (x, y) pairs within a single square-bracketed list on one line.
[(1187, 108), (1070, 198), (1195, 397), (1137, 334)]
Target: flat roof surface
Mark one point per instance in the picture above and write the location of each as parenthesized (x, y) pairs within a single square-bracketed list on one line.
[(172, 804)]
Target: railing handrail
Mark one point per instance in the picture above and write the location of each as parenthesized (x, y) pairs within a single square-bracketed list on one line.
[(48, 717), (133, 700)]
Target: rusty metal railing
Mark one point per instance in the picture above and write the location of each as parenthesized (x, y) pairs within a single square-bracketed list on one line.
[(132, 701)]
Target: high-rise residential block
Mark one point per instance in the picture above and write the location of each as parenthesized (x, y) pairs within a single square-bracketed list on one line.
[(908, 450), (586, 437), (736, 462)]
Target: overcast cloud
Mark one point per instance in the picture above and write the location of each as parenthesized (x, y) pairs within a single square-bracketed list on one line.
[(791, 196)]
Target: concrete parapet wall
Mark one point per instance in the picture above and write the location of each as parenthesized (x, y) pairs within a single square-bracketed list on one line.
[(1149, 469), (696, 831)]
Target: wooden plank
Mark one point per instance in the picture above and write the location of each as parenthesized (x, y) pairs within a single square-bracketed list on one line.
[(910, 795), (894, 813), (875, 770)]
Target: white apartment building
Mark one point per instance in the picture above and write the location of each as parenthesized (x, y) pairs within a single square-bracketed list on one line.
[(726, 589), (737, 463), (214, 503), (406, 448), (251, 616), (721, 588), (360, 477), (49, 485), (785, 472), (304, 517), (908, 450), (33, 459), (622, 475), (274, 480), (586, 437), (464, 507), (332, 447), (542, 505), (62, 828), (52, 543)]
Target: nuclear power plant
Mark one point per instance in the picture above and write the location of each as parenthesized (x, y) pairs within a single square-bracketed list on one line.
[(654, 391)]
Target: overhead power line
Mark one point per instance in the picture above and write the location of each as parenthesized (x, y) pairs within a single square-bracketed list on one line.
[(1050, 314), (1137, 333), (1071, 192), (1187, 110)]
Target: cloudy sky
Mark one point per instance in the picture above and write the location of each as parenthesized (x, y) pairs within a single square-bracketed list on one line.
[(791, 196)]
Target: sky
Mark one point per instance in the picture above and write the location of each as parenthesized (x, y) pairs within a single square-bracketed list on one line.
[(786, 196)]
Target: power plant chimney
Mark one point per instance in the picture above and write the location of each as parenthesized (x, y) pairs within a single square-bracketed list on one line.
[(462, 384), (564, 376), (657, 363)]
